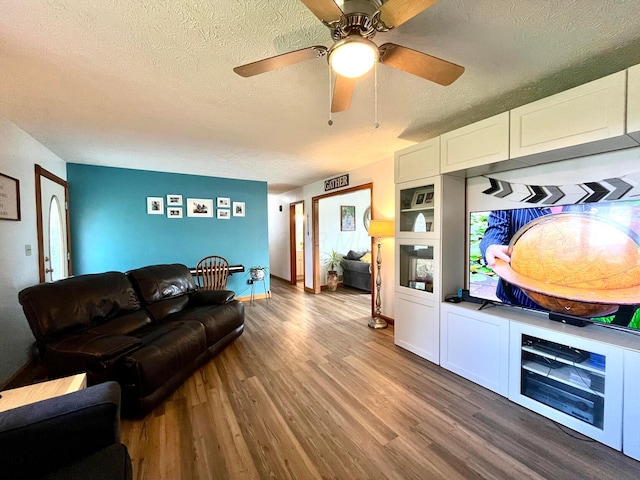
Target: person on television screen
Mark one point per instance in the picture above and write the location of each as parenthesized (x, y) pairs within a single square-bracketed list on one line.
[(502, 225)]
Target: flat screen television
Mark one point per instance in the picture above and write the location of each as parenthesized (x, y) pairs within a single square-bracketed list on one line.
[(582, 261)]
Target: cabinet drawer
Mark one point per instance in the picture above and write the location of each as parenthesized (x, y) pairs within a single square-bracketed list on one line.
[(419, 161), (582, 116), (480, 143), (633, 102)]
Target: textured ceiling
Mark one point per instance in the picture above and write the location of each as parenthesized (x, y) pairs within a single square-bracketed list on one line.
[(149, 83)]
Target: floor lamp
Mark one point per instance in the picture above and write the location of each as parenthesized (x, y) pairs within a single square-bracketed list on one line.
[(379, 229)]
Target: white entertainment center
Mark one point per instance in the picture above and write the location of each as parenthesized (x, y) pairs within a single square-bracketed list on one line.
[(499, 347)]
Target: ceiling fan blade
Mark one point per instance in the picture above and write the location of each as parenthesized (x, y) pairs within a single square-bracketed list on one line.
[(420, 64), (342, 93), (396, 12), (279, 61), (326, 10)]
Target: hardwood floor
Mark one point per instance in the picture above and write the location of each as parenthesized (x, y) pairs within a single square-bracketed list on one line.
[(310, 392)]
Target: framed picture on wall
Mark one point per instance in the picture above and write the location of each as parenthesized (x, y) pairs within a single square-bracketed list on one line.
[(238, 209), (200, 207), (9, 198), (348, 218), (224, 202), (155, 205), (224, 213), (174, 212), (174, 200)]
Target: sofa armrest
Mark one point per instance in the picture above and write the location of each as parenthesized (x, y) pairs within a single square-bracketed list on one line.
[(201, 298), (93, 347), (42, 437)]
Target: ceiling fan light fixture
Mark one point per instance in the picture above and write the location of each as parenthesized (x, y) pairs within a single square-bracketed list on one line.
[(353, 56)]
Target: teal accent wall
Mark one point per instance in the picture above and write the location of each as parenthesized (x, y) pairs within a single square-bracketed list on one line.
[(111, 230)]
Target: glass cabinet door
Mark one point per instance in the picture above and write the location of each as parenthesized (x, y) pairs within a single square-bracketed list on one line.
[(417, 208), (416, 268)]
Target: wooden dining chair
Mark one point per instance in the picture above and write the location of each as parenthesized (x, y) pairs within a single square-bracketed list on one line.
[(213, 272)]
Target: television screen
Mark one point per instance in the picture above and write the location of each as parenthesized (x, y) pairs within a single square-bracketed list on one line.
[(580, 260)]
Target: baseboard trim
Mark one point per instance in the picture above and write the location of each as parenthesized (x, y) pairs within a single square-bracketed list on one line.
[(27, 374)]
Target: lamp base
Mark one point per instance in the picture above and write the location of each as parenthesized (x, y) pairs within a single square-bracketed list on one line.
[(377, 323)]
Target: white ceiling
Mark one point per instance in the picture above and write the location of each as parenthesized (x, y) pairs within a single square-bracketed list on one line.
[(149, 84)]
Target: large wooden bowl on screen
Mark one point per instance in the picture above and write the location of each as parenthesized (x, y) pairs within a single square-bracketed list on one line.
[(575, 263)]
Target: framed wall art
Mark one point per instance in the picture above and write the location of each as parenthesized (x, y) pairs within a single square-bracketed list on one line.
[(174, 212), (348, 218), (155, 205), (224, 213), (238, 209), (9, 198), (224, 202), (199, 207), (174, 200)]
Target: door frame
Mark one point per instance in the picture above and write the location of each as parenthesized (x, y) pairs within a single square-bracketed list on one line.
[(41, 172), (315, 208), (293, 274)]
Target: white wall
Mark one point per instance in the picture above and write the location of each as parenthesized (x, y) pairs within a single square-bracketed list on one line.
[(380, 174), (19, 153)]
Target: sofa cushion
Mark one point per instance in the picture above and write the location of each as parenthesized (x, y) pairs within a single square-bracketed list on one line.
[(351, 255), (160, 282), (75, 303), (366, 258), (218, 322)]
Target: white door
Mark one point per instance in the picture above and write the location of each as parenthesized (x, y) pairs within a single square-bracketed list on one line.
[(54, 254)]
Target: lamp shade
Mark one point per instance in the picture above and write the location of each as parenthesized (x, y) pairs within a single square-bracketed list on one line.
[(381, 228), (353, 56)]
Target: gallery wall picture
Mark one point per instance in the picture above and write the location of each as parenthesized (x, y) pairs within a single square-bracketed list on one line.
[(174, 200), (155, 205), (348, 218), (238, 209), (174, 212), (199, 207), (224, 202), (224, 214), (9, 198)]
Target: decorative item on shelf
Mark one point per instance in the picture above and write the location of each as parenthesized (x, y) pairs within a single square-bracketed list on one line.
[(257, 273), (332, 260), (379, 229), (422, 198)]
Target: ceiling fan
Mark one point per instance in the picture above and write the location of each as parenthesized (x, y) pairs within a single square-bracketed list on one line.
[(354, 53)]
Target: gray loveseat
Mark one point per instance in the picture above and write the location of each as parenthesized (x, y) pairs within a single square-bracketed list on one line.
[(355, 272)]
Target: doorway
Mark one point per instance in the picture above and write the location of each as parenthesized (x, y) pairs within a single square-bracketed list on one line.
[(296, 242), (360, 217), (52, 200)]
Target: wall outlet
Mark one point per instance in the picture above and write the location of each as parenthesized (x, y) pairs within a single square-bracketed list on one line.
[(27, 250)]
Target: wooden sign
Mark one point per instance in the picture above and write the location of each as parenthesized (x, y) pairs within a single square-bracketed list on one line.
[(338, 182)]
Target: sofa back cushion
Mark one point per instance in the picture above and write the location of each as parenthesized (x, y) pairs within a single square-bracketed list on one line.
[(76, 303), (164, 289)]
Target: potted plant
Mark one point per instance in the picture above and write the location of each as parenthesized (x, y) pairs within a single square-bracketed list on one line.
[(257, 273), (331, 261)]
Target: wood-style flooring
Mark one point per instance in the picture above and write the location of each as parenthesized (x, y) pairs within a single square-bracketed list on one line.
[(310, 392)]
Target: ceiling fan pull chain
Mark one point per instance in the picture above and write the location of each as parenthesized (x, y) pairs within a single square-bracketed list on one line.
[(330, 122), (375, 95)]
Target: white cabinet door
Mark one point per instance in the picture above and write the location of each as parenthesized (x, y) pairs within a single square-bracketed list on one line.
[(631, 413), (417, 327), (480, 143), (583, 120), (475, 345), (633, 102), (418, 161)]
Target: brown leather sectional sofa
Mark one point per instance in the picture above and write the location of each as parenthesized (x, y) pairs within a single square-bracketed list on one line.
[(148, 329)]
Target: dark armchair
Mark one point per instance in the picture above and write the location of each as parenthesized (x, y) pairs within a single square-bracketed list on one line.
[(74, 436)]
